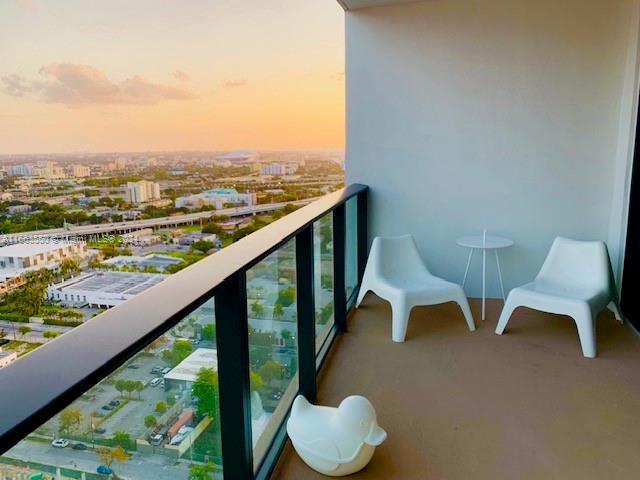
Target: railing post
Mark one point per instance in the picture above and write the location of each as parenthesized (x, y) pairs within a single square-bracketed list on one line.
[(363, 241), (232, 339), (339, 294), (306, 313)]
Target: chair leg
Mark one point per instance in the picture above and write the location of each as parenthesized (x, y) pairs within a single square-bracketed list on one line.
[(586, 331), (364, 288), (613, 306), (509, 306), (463, 303), (400, 312)]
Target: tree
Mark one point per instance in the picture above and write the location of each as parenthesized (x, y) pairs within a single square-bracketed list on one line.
[(202, 245), (255, 381), (278, 311), (124, 440), (181, 350), (24, 329), (150, 421), (49, 334), (271, 370), (209, 332), (286, 296), (257, 310), (69, 419), (121, 386), (108, 455), (205, 389), (161, 407), (69, 266), (201, 472), (139, 387), (130, 386)]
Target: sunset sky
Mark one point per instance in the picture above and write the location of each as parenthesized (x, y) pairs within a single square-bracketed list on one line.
[(135, 75)]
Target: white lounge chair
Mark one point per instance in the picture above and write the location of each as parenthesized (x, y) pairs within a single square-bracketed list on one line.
[(575, 280), (395, 271)]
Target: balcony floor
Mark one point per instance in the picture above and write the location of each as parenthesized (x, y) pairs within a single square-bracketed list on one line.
[(461, 405)]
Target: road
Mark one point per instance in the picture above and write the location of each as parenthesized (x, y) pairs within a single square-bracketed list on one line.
[(138, 467), (129, 226)]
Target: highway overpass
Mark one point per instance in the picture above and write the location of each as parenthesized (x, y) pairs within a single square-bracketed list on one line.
[(133, 225)]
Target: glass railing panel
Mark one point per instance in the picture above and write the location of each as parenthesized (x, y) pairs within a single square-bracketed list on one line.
[(157, 416), (323, 278), (273, 344), (351, 247)]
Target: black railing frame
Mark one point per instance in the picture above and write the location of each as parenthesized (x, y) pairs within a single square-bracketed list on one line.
[(229, 292)]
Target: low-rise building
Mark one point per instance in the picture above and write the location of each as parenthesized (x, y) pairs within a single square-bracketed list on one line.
[(13, 209), (143, 237), (10, 282), (102, 289), (217, 198), (153, 260), (182, 376), (22, 257)]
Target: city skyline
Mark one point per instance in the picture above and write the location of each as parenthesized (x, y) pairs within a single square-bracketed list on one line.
[(266, 78)]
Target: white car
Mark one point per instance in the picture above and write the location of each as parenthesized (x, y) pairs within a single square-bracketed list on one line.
[(60, 443)]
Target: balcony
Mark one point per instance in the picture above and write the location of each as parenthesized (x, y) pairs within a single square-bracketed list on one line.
[(460, 405)]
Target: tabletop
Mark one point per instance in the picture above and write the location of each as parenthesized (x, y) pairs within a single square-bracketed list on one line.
[(476, 241)]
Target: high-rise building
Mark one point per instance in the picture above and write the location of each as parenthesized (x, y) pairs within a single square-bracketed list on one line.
[(142, 191), (80, 171)]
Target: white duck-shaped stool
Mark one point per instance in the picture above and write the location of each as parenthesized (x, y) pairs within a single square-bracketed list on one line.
[(335, 441)]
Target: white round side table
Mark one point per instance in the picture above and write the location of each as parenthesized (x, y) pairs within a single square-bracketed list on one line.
[(484, 242)]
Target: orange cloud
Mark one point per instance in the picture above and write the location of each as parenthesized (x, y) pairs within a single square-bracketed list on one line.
[(181, 75), (235, 83), (79, 85)]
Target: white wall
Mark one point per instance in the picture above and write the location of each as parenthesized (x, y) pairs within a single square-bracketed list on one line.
[(504, 114)]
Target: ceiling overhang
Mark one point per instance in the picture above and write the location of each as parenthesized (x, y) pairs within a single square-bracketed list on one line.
[(357, 4)]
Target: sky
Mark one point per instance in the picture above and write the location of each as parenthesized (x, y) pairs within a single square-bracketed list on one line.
[(142, 75)]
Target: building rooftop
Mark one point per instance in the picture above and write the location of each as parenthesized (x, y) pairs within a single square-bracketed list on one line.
[(130, 283), (28, 249), (188, 369)]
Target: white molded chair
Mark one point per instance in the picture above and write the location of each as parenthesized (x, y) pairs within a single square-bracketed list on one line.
[(575, 280), (395, 271)]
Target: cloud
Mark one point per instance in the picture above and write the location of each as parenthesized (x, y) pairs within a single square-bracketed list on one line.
[(79, 85), (15, 86), (235, 83), (181, 75)]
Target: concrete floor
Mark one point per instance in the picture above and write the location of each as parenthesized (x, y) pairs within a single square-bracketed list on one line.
[(460, 405)]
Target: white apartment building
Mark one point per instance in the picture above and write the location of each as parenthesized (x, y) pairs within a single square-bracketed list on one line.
[(21, 170), (279, 169), (142, 191), (49, 171), (80, 171), (218, 198), (23, 257)]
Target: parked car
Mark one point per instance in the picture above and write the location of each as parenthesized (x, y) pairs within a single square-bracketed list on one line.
[(100, 430), (60, 443), (156, 369), (181, 435), (166, 370), (79, 446), (107, 407), (114, 403), (156, 440), (133, 366), (155, 382), (104, 470)]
